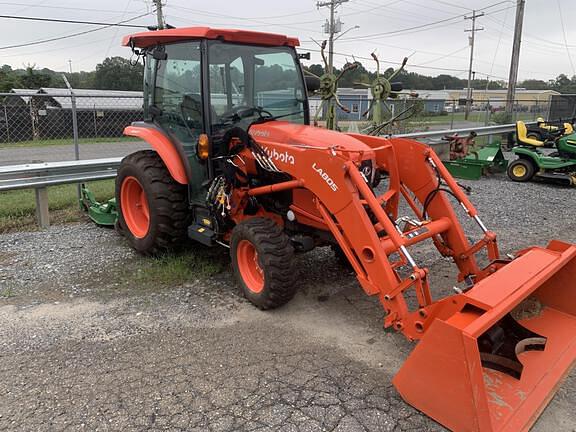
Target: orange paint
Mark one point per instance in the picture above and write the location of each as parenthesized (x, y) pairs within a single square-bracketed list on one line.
[(164, 148)]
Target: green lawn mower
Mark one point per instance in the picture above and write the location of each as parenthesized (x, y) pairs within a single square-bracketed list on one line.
[(558, 166)]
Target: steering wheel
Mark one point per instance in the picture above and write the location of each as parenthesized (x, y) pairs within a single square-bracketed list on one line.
[(244, 111)]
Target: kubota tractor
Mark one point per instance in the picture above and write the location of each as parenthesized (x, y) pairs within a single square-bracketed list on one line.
[(234, 162)]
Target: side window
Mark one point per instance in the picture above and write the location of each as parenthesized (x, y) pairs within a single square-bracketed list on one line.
[(177, 92), (277, 86)]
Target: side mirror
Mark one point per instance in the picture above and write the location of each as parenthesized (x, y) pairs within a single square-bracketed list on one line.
[(396, 86), (312, 83)]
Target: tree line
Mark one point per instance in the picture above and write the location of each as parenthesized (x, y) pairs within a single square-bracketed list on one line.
[(118, 73), (114, 73), (416, 81)]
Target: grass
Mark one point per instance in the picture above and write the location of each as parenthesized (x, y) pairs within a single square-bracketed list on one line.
[(18, 208), (66, 141), (170, 269), (7, 292)]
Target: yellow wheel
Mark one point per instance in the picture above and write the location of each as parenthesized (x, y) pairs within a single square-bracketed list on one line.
[(521, 170)]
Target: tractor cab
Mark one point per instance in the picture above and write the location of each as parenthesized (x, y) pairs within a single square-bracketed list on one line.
[(200, 83)]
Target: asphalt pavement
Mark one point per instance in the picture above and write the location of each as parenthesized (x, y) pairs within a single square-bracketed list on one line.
[(14, 155)]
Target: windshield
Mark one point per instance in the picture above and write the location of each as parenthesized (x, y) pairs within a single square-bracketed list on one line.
[(252, 82)]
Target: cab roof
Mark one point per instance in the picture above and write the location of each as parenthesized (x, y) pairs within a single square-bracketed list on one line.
[(151, 38)]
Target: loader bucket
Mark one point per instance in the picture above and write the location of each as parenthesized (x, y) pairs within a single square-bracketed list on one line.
[(495, 364)]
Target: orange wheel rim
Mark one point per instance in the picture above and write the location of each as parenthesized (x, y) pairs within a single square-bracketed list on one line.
[(134, 206), (249, 266)]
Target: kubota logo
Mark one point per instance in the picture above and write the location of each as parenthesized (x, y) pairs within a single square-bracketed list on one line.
[(325, 177), (259, 133), (281, 157)]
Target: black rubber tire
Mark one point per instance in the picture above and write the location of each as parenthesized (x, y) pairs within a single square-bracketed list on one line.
[(534, 135), (275, 258), (167, 202), (530, 170)]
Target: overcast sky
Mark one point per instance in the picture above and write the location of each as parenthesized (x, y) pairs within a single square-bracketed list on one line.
[(384, 26)]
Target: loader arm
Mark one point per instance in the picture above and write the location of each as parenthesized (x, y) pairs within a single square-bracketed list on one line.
[(481, 365), (362, 221)]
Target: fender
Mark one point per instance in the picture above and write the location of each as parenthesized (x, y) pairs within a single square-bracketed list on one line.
[(164, 147)]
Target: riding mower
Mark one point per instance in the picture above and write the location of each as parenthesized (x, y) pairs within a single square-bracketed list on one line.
[(235, 163), (549, 132), (558, 166)]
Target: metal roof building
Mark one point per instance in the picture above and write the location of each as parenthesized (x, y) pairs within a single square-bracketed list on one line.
[(101, 100)]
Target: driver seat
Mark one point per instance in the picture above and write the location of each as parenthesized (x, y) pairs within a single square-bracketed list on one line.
[(522, 138)]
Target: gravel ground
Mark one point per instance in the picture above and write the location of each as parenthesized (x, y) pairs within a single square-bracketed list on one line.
[(83, 347)]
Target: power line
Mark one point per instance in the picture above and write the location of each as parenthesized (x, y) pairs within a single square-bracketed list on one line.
[(565, 40), (262, 23), (38, 42), (41, 6), (422, 26), (345, 55), (452, 5), (417, 66), (58, 20), (427, 25)]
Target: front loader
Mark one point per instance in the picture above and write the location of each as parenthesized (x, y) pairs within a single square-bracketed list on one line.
[(234, 162)]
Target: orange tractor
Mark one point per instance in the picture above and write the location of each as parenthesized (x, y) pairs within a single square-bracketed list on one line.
[(236, 163)]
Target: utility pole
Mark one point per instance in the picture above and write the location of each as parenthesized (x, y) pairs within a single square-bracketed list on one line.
[(473, 31), (510, 96), (159, 16), (70, 65), (332, 27)]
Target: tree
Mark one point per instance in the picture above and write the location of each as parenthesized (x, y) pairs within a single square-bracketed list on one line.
[(33, 79), (117, 73), (534, 84), (563, 84), (8, 79)]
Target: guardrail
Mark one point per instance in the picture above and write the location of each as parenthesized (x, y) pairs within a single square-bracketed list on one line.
[(480, 131), (40, 176)]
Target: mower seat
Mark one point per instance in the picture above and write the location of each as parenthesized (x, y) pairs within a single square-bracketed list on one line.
[(568, 129), (522, 138), (545, 126)]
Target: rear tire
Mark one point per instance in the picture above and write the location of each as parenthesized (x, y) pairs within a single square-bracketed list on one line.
[(152, 206), (521, 170), (263, 262)]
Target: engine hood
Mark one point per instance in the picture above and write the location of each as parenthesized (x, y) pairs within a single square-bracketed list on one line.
[(294, 134)]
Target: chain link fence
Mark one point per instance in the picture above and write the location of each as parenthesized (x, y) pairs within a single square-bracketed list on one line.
[(409, 115), (39, 126)]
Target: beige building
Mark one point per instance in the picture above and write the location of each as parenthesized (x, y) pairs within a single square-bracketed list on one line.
[(497, 98)]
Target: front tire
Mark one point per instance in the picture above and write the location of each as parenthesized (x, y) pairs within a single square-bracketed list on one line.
[(263, 262), (152, 206), (521, 170)]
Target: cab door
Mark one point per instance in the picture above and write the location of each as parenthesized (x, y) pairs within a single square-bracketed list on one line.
[(177, 107)]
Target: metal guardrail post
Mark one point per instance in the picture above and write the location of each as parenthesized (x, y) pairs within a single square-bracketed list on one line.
[(42, 207)]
